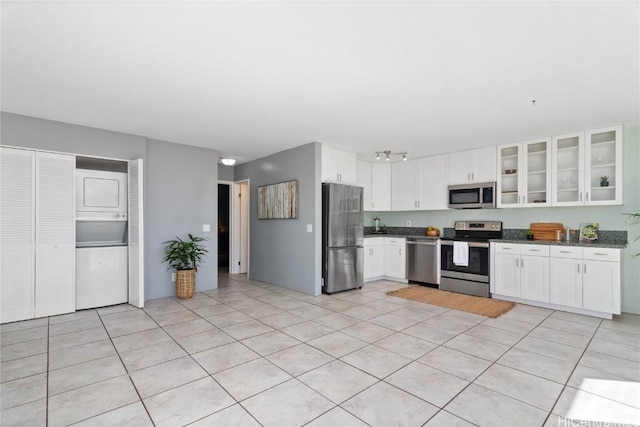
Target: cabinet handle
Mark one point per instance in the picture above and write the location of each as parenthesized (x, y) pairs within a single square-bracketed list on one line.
[(418, 202), (517, 263), (578, 268), (585, 268), (565, 252), (473, 176), (522, 263), (468, 177), (581, 196), (534, 250), (599, 253), (587, 196), (399, 251)]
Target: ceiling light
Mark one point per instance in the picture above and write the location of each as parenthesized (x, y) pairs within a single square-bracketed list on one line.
[(388, 155), (228, 161)]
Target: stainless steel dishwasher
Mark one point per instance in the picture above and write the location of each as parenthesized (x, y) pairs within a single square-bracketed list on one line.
[(423, 260)]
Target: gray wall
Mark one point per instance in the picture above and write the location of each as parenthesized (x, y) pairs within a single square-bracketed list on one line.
[(225, 173), (180, 186), (281, 251), (181, 196), (609, 217)]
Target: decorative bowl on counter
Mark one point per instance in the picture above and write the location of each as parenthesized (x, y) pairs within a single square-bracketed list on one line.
[(433, 231)]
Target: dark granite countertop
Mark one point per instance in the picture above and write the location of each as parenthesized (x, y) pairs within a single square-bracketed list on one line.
[(401, 236)]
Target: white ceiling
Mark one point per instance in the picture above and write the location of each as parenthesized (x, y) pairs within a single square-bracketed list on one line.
[(254, 78)]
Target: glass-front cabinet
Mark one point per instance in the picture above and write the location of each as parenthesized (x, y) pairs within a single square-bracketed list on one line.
[(587, 168), (524, 176), (603, 174)]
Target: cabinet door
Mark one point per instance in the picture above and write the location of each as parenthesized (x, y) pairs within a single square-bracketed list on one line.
[(534, 278), (434, 194), (404, 186), (565, 287), (568, 170), (459, 172), (603, 158), (507, 275), (55, 234), (328, 167), (601, 286), (483, 164), (363, 179), (17, 205), (381, 186), (136, 234), (373, 262), (395, 261), (509, 184), (345, 166), (536, 173)]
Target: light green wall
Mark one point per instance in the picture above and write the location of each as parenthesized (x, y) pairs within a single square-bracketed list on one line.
[(609, 217)]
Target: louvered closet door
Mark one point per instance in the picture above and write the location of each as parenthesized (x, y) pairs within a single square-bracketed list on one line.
[(55, 234), (17, 234), (136, 234)]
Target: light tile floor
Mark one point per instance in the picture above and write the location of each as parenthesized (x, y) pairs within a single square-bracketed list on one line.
[(251, 354)]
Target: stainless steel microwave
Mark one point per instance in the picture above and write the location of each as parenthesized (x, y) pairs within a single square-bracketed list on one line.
[(480, 195)]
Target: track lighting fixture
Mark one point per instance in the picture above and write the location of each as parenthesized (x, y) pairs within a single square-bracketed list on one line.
[(388, 155)]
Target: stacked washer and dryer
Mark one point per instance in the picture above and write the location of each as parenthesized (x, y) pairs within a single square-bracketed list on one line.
[(101, 238)]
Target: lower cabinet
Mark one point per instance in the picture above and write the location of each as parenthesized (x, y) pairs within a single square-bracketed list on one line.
[(583, 280), (522, 271), (385, 257)]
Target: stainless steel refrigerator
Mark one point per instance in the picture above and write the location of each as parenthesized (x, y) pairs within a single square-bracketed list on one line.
[(342, 234)]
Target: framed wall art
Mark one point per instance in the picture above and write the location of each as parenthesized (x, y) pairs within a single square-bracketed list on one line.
[(278, 201)]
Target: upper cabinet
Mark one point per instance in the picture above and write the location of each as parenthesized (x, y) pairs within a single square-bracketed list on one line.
[(375, 179), (338, 166), (524, 174), (472, 166), (405, 186), (419, 184), (587, 168)]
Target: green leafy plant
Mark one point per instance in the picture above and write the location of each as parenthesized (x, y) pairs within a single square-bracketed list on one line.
[(604, 178), (184, 254)]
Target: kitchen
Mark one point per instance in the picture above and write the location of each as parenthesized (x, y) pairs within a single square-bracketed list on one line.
[(426, 204)]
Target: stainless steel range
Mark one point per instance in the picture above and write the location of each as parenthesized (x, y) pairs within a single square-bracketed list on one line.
[(464, 258)]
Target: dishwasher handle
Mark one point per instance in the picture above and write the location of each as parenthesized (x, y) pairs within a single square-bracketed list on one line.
[(422, 242)]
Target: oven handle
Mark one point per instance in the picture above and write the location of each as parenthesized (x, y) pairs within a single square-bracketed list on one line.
[(471, 244)]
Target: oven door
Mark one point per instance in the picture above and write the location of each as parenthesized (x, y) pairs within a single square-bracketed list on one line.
[(478, 268)]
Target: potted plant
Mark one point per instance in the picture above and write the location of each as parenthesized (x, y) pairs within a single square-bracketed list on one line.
[(184, 256), (529, 235), (604, 181)]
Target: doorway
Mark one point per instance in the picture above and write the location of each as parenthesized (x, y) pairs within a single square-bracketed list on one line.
[(224, 217), (240, 229)]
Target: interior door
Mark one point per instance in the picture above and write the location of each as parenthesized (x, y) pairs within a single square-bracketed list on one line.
[(17, 280), (55, 291), (136, 234)]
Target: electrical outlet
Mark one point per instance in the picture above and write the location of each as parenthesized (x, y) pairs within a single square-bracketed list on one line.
[(408, 223), (206, 228), (173, 277), (309, 228)]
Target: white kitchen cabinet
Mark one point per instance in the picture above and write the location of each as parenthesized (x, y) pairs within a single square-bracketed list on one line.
[(38, 244), (395, 258), (375, 179), (579, 160), (433, 189), (374, 256), (17, 245), (522, 271), (405, 186), (363, 179), (473, 166), (338, 166), (601, 280), (524, 175), (381, 186), (565, 276)]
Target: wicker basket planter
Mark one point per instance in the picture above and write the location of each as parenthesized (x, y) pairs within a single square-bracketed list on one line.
[(185, 283)]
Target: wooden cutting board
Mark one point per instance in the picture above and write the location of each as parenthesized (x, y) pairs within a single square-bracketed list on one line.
[(545, 230)]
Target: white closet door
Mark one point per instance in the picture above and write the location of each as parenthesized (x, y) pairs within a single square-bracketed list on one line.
[(55, 234), (136, 234), (17, 230)]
